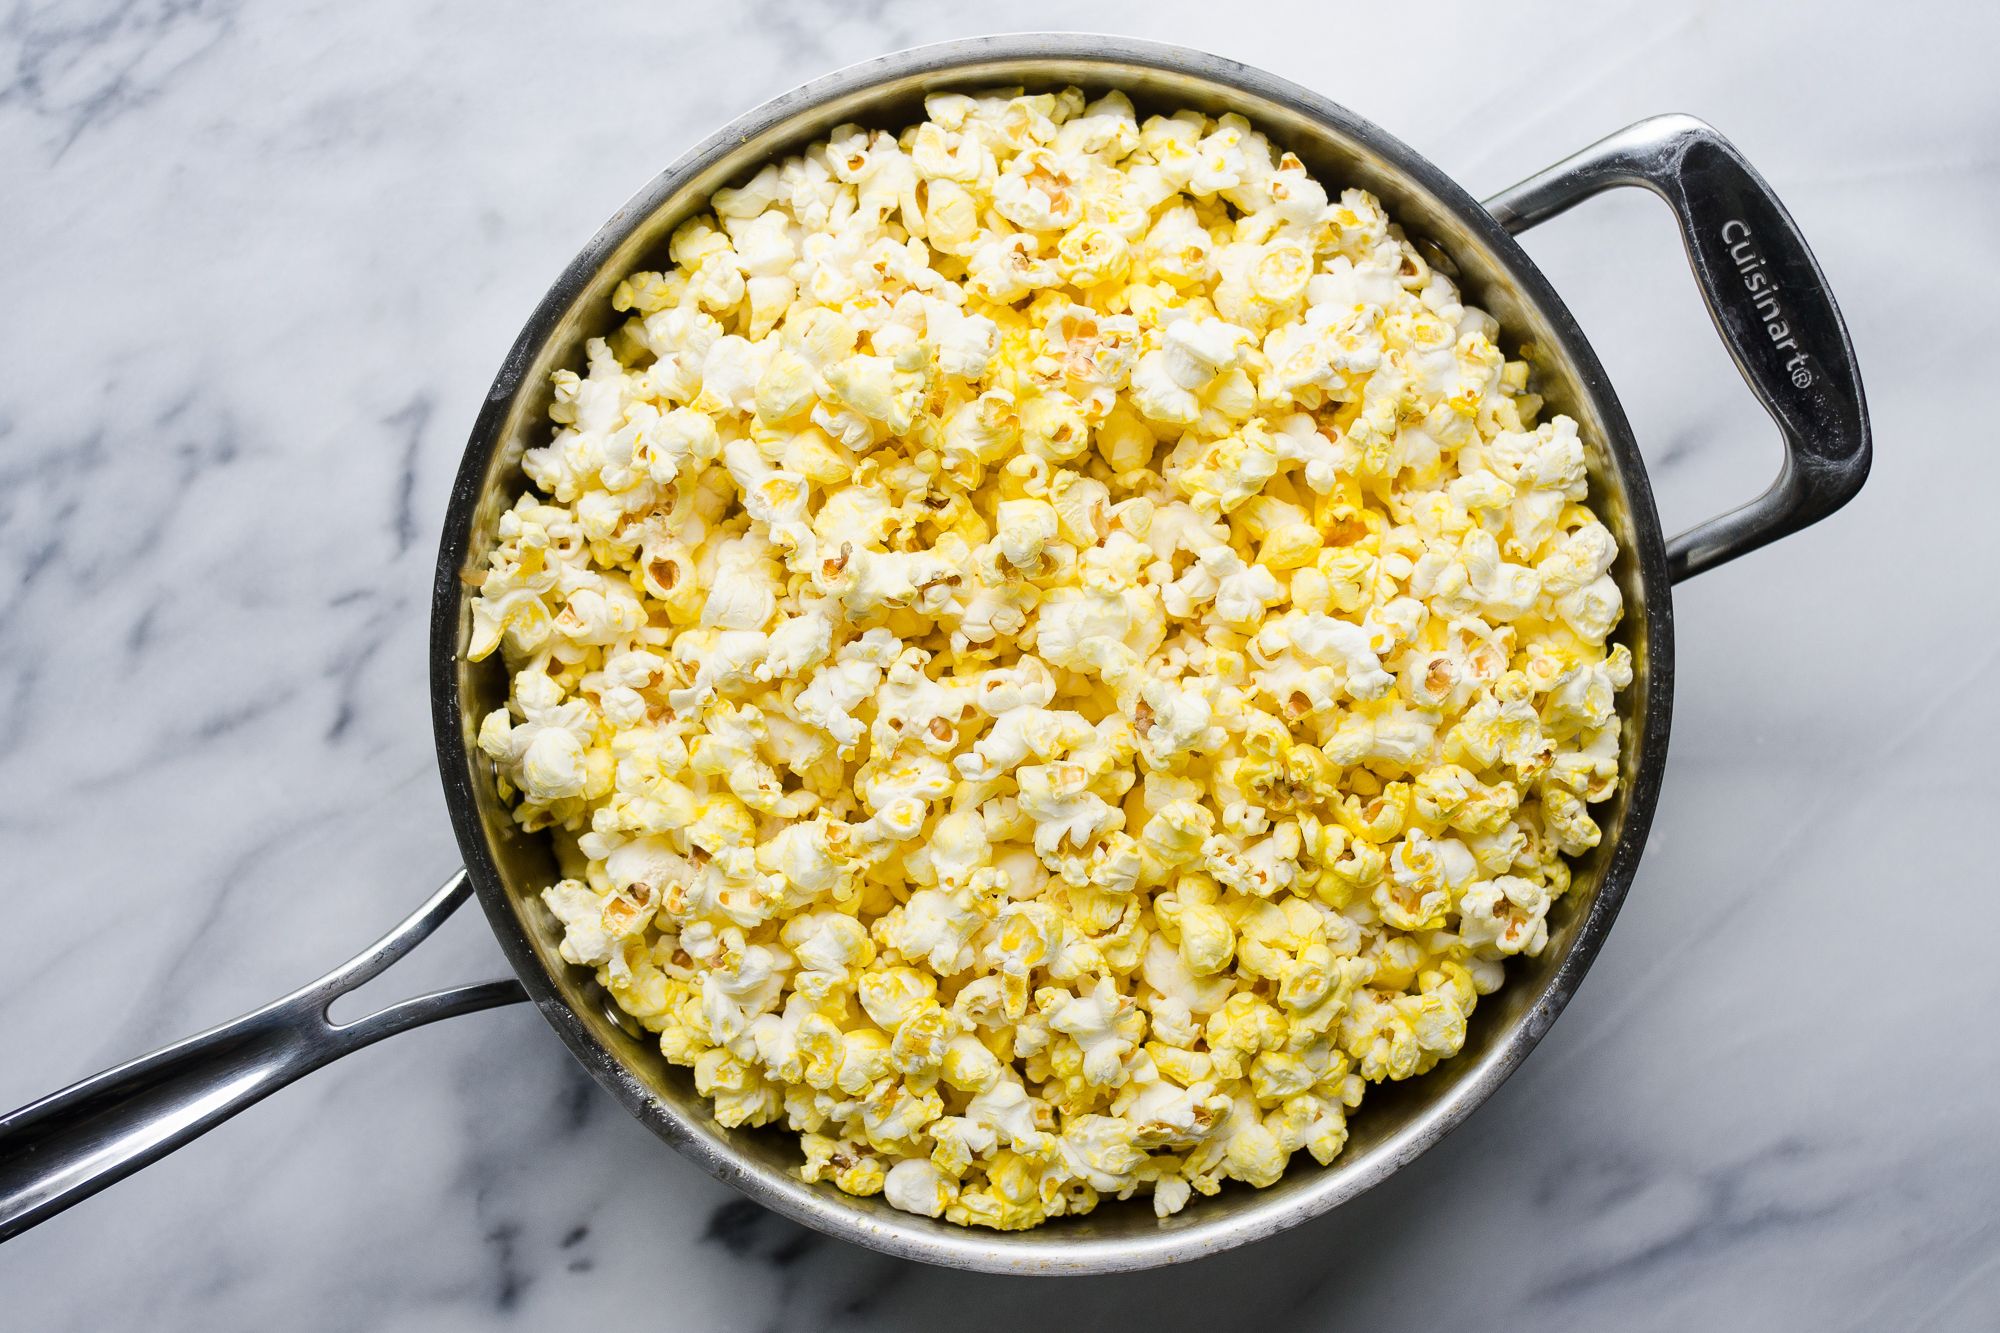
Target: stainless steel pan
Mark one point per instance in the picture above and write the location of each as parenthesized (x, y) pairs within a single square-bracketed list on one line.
[(1770, 304)]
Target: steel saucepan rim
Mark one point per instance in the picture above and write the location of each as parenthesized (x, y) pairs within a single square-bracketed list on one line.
[(1239, 1215)]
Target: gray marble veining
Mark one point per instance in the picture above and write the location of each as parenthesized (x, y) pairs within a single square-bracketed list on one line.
[(260, 263)]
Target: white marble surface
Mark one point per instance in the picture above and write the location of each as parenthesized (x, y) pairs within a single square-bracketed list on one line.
[(260, 262)]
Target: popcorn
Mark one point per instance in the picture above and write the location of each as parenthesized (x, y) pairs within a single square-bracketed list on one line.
[(915, 1185), (1055, 654), (1093, 1021), (546, 753)]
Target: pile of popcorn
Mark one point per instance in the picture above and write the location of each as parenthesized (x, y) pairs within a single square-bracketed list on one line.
[(1055, 653)]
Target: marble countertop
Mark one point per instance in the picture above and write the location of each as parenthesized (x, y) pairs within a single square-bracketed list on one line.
[(260, 264)]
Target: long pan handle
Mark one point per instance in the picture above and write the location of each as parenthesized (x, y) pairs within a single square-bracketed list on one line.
[(71, 1144)]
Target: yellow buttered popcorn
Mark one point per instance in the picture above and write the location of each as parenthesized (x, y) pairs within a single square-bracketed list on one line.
[(1056, 651)]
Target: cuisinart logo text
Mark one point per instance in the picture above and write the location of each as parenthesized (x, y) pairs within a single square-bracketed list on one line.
[(1763, 290)]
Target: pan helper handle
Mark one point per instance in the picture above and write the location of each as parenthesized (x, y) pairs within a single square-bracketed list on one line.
[(1770, 303), (71, 1144)]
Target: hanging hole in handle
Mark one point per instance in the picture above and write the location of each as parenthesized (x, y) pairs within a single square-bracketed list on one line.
[(454, 947), (1700, 435)]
